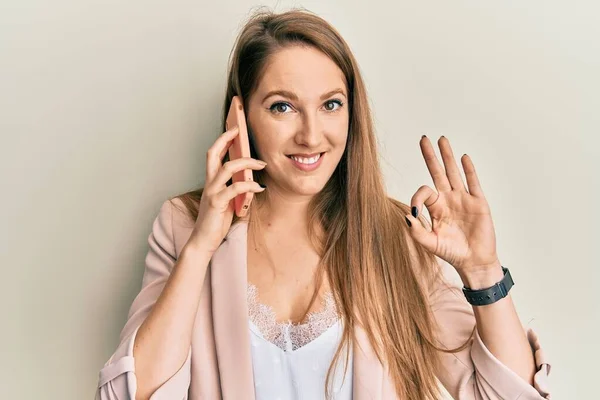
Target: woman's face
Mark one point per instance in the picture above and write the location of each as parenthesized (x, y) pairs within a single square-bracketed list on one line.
[(299, 118)]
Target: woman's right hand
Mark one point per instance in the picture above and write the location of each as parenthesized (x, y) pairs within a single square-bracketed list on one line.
[(216, 209)]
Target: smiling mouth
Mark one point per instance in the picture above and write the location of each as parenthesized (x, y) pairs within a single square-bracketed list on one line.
[(306, 160), (307, 164)]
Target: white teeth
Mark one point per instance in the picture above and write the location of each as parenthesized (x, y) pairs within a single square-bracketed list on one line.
[(303, 160)]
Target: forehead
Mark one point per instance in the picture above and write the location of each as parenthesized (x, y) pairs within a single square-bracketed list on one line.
[(303, 70)]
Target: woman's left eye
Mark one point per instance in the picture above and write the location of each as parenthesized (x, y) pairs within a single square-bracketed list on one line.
[(336, 101), (276, 107)]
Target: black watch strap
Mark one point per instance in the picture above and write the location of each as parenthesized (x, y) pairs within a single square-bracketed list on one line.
[(492, 294)]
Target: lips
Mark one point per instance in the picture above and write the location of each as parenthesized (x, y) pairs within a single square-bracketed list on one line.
[(309, 163), (306, 159)]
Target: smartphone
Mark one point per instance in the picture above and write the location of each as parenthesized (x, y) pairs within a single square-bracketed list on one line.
[(239, 148)]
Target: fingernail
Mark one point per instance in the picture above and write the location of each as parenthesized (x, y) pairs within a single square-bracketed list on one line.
[(414, 211), (408, 221)]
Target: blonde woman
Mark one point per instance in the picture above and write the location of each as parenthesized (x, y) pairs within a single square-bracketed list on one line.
[(328, 288)]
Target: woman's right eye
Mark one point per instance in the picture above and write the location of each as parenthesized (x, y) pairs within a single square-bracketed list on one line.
[(274, 108)]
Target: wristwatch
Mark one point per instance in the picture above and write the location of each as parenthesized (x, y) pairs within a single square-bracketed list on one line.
[(492, 294)]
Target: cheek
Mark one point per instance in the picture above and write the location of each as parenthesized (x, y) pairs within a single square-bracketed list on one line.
[(263, 140), (338, 128), (270, 138), (267, 146), (341, 137)]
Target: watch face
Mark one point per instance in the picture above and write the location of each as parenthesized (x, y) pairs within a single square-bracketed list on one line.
[(508, 281)]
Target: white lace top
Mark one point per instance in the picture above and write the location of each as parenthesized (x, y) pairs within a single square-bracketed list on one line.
[(290, 361)]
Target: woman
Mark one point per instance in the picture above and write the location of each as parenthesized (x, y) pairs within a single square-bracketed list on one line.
[(328, 288)]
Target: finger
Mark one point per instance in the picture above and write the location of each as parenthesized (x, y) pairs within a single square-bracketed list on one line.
[(225, 150), (229, 193), (423, 196), (433, 165), (214, 157), (233, 166), (452, 171), (426, 238), (471, 175)]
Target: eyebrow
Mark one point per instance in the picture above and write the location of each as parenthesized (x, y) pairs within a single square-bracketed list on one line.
[(293, 96)]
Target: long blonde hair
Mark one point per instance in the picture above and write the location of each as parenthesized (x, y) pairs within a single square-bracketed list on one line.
[(373, 265)]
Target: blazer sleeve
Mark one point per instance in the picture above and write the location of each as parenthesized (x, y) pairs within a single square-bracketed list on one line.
[(117, 379), (475, 373)]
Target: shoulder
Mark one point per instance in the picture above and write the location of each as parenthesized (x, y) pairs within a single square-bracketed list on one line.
[(174, 221), (173, 214), (181, 212)]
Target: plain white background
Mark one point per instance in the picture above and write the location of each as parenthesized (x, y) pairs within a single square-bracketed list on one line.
[(108, 107)]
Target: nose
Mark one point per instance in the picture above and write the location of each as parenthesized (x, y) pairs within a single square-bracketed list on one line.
[(310, 132)]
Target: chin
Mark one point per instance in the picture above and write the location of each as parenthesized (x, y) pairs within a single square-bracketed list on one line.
[(308, 189)]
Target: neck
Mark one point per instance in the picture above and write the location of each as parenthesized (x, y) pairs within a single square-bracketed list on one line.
[(282, 210), (280, 220)]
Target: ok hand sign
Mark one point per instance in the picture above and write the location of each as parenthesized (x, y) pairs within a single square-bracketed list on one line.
[(462, 229)]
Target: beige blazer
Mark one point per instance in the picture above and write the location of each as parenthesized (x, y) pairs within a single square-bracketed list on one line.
[(219, 364)]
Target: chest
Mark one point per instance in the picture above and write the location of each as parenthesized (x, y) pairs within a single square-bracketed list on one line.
[(283, 272)]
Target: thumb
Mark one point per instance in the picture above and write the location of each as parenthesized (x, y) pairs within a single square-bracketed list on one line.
[(427, 239)]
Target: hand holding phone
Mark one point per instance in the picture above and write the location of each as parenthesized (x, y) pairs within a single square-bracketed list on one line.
[(219, 200)]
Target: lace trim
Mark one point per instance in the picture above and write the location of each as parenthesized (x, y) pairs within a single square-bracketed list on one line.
[(287, 335)]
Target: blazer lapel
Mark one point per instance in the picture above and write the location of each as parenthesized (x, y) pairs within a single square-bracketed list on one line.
[(367, 373), (229, 281)]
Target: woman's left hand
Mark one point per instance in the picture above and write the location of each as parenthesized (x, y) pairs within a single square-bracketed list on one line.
[(462, 229)]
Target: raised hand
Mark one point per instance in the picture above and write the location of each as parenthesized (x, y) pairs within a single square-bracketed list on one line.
[(462, 229), (215, 212)]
